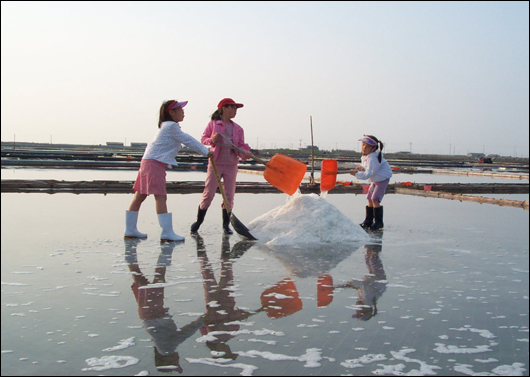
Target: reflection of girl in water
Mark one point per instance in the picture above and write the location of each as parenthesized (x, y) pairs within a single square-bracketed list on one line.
[(220, 302), (156, 319), (372, 287)]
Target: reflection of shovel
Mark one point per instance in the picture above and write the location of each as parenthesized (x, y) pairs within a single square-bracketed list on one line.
[(324, 290), (283, 172), (241, 248), (281, 300), (238, 225)]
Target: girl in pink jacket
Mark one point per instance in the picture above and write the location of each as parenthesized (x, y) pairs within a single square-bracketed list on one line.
[(226, 158)]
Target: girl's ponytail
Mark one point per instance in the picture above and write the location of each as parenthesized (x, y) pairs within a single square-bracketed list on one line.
[(164, 112), (217, 114), (379, 157)]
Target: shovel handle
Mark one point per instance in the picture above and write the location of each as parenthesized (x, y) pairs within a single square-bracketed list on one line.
[(221, 188), (339, 172), (242, 150)]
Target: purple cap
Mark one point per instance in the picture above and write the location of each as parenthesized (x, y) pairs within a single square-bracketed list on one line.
[(368, 140), (176, 104)]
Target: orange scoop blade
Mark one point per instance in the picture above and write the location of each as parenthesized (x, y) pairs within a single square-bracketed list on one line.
[(285, 173), (328, 175)]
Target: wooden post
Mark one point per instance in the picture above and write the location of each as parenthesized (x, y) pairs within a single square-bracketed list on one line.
[(312, 180)]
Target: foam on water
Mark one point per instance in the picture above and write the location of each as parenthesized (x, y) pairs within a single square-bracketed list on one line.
[(311, 358), (305, 219), (110, 362)]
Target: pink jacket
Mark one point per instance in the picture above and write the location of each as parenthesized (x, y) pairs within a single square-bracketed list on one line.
[(217, 126)]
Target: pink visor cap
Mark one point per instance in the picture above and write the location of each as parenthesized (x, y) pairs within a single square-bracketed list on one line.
[(368, 140), (176, 104)]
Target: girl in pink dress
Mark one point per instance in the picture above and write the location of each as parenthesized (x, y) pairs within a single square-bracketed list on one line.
[(158, 155)]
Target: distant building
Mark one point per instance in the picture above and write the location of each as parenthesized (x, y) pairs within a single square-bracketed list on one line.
[(308, 148), (493, 155), (114, 144), (138, 145), (476, 155)]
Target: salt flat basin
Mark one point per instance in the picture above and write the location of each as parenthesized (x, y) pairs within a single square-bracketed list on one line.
[(453, 300)]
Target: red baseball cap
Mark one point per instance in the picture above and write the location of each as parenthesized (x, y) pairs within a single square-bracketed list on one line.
[(228, 101)]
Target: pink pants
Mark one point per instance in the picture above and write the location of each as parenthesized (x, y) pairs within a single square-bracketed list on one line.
[(228, 174)]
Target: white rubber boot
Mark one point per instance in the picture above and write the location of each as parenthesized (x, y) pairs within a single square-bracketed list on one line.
[(131, 256), (166, 222), (131, 218), (166, 252)]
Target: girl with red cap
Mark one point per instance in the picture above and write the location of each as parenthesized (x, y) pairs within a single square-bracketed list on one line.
[(376, 170), (158, 155), (222, 127)]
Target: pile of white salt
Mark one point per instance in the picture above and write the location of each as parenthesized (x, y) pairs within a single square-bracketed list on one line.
[(305, 219)]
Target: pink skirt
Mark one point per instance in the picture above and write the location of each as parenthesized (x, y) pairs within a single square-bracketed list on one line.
[(151, 178)]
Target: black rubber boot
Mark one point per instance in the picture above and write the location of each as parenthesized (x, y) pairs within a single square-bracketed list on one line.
[(201, 249), (200, 218), (226, 222), (369, 220), (378, 214)]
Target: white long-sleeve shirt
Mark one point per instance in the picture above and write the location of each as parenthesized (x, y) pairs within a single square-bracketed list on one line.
[(374, 171), (168, 142)]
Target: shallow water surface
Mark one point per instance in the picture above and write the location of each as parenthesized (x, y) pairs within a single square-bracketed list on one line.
[(442, 290)]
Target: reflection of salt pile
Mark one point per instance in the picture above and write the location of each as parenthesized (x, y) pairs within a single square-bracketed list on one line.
[(305, 219)]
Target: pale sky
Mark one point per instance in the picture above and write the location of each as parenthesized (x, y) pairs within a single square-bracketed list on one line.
[(426, 77)]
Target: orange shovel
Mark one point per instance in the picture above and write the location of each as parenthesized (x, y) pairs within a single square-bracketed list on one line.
[(328, 174), (283, 172)]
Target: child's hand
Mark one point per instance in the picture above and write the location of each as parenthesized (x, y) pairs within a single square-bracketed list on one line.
[(215, 138), (359, 168), (248, 155), (210, 154)]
